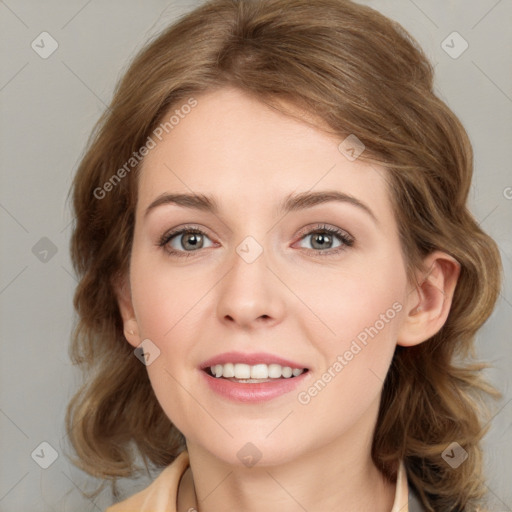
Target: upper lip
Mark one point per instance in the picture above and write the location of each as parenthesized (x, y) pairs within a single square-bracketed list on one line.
[(250, 359)]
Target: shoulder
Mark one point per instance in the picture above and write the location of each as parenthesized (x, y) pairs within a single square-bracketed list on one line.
[(161, 494)]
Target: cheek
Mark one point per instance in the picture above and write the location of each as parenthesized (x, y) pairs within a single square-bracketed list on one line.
[(356, 356), (358, 312), (369, 310), (166, 307), (164, 298), (363, 294), (169, 304)]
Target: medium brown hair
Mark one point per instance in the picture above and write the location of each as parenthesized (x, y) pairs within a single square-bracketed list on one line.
[(362, 74)]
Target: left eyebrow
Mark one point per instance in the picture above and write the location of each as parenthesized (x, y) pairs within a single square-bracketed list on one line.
[(291, 203), (309, 199)]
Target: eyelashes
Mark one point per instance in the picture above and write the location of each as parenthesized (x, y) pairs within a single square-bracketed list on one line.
[(332, 232), (320, 233), (168, 237)]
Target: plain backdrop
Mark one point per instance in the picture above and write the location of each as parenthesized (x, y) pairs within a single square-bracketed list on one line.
[(48, 108)]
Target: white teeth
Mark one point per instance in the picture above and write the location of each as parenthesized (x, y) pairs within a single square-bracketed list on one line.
[(274, 371), (257, 371), (287, 372), (228, 370), (242, 371)]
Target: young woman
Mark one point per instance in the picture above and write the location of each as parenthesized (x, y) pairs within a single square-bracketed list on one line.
[(280, 281)]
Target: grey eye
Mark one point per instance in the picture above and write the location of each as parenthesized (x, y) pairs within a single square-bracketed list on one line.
[(188, 241), (321, 240)]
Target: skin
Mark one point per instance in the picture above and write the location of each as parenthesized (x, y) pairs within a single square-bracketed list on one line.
[(291, 301)]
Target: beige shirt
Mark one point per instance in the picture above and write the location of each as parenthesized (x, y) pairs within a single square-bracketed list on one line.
[(161, 495)]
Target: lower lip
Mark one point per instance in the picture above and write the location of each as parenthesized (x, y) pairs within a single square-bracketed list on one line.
[(252, 392)]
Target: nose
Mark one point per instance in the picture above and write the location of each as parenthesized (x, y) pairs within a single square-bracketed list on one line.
[(250, 295)]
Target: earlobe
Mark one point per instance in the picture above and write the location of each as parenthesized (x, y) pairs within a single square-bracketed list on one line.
[(429, 303), (124, 301)]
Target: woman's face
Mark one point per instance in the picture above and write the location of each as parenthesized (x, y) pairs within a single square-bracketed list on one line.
[(264, 278)]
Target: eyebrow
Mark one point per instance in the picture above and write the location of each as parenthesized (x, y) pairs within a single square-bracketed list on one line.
[(292, 203)]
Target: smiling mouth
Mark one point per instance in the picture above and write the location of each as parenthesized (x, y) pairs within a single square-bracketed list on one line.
[(253, 374)]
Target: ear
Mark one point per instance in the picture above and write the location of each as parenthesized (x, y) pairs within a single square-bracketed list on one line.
[(428, 305), (124, 301)]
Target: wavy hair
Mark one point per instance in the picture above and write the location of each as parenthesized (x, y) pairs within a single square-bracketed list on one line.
[(362, 74)]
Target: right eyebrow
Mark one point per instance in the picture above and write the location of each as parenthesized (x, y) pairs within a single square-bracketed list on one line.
[(195, 201)]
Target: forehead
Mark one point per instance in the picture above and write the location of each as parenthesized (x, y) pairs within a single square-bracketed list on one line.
[(233, 146)]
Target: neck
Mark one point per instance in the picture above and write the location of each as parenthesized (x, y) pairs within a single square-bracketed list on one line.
[(332, 476)]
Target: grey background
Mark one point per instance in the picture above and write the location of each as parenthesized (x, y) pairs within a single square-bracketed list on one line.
[(48, 108)]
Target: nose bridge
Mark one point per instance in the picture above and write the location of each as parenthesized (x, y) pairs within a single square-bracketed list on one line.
[(248, 291)]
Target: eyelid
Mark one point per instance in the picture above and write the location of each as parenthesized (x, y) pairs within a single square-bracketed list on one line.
[(319, 227), (180, 230), (346, 239)]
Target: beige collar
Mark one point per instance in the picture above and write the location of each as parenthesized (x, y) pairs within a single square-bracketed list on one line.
[(401, 503), (162, 493)]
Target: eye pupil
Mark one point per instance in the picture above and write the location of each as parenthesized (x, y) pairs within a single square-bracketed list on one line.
[(321, 240), (194, 240)]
